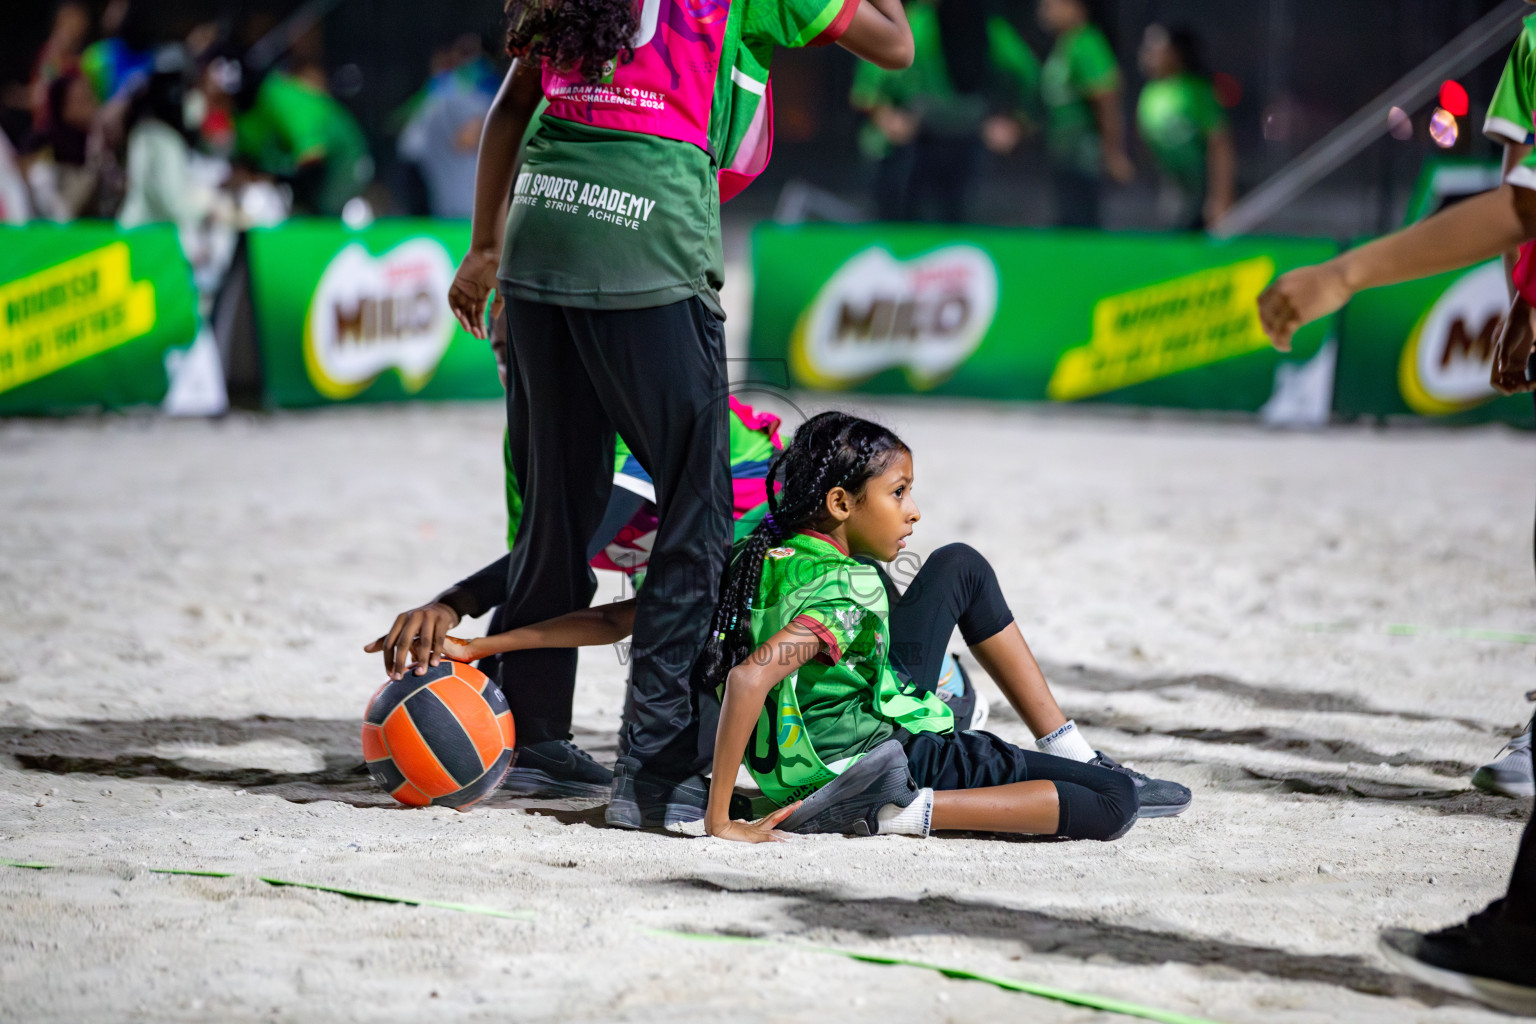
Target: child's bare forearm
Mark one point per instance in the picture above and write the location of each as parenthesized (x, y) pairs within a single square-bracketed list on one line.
[(1470, 232), (589, 627), (501, 138), (746, 688), (1514, 156)]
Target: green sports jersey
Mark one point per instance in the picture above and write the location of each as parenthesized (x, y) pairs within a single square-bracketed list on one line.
[(926, 89), (844, 703), (1176, 117), (617, 204), (292, 123), (1081, 66), (1512, 112)]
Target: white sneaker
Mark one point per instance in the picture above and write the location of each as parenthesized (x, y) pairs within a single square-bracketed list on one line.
[(1510, 775)]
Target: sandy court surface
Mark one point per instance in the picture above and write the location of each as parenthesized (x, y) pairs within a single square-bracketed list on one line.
[(1322, 634)]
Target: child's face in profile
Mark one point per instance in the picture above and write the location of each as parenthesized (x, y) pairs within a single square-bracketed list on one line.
[(884, 515)]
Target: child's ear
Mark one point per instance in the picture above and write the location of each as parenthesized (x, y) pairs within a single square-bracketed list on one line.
[(838, 505)]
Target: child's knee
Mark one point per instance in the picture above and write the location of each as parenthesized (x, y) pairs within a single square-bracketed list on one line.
[(960, 558), (1103, 812)]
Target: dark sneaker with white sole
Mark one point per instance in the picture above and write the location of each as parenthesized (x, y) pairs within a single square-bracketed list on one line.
[(1159, 798), (1484, 958), (556, 768), (850, 804)]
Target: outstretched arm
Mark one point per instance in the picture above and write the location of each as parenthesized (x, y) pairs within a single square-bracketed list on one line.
[(1474, 230), (746, 688), (879, 33), (586, 627), (505, 124)]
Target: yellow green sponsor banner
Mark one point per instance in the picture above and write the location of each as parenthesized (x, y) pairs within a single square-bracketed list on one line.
[(1425, 349), (348, 315), (1162, 320), (87, 315)]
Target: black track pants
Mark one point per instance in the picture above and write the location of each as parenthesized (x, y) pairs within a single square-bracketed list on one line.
[(656, 375)]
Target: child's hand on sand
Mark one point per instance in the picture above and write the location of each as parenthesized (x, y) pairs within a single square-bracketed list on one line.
[(1300, 296), (763, 830)]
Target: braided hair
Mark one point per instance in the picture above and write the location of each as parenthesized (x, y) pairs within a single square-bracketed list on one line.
[(588, 36), (830, 450)]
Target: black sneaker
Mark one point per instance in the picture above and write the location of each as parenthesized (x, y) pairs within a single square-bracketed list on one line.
[(1484, 958), (557, 768), (638, 799), (1159, 797), (849, 803)]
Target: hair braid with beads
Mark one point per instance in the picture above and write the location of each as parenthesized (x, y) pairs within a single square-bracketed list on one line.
[(586, 36), (833, 449)]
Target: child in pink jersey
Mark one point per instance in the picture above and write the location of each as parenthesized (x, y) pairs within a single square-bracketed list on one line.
[(610, 265)]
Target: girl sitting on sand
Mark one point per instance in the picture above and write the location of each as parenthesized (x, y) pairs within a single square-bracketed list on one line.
[(834, 711)]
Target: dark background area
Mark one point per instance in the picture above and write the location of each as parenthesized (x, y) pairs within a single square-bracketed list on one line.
[(1303, 66)]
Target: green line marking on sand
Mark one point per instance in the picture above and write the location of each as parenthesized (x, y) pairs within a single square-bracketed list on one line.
[(1499, 636), (353, 894), (1008, 984)]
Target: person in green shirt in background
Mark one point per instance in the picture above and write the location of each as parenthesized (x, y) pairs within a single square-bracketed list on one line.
[(1186, 131), (294, 130), (973, 83), (1084, 126)]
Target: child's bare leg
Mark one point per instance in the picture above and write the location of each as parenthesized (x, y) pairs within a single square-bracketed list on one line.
[(1007, 659), (1027, 807)]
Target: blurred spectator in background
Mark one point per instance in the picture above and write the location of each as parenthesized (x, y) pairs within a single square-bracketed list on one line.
[(1084, 126), (64, 164), (1185, 130), (295, 130), (973, 83), (59, 56), (15, 205), (441, 137), (161, 187), (121, 58)]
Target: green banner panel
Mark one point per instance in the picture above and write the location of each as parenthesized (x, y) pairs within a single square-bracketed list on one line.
[(362, 316), (1062, 316), (90, 312), (1425, 348)]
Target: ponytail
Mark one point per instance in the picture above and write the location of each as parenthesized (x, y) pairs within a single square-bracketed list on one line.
[(830, 450)]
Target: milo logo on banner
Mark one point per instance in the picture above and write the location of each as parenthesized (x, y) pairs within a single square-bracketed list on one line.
[(1448, 357), (1162, 329), (926, 315), (69, 312), (370, 314)]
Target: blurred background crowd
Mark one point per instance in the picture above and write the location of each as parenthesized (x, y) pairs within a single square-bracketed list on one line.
[(1121, 114)]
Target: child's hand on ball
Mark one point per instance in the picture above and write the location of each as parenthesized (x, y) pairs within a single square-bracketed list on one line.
[(417, 636)]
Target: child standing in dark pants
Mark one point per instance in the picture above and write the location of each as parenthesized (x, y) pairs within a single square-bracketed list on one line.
[(610, 264)]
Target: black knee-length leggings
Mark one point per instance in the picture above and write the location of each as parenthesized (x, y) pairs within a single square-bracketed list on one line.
[(957, 587)]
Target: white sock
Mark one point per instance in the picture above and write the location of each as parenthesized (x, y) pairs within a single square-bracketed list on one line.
[(1067, 742), (911, 820)]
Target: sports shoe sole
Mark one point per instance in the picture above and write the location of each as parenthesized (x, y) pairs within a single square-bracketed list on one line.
[(1503, 995), (1163, 810), (1489, 782), (847, 803), (533, 782)]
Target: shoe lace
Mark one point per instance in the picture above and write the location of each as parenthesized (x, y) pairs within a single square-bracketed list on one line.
[(581, 755), (1108, 762)]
